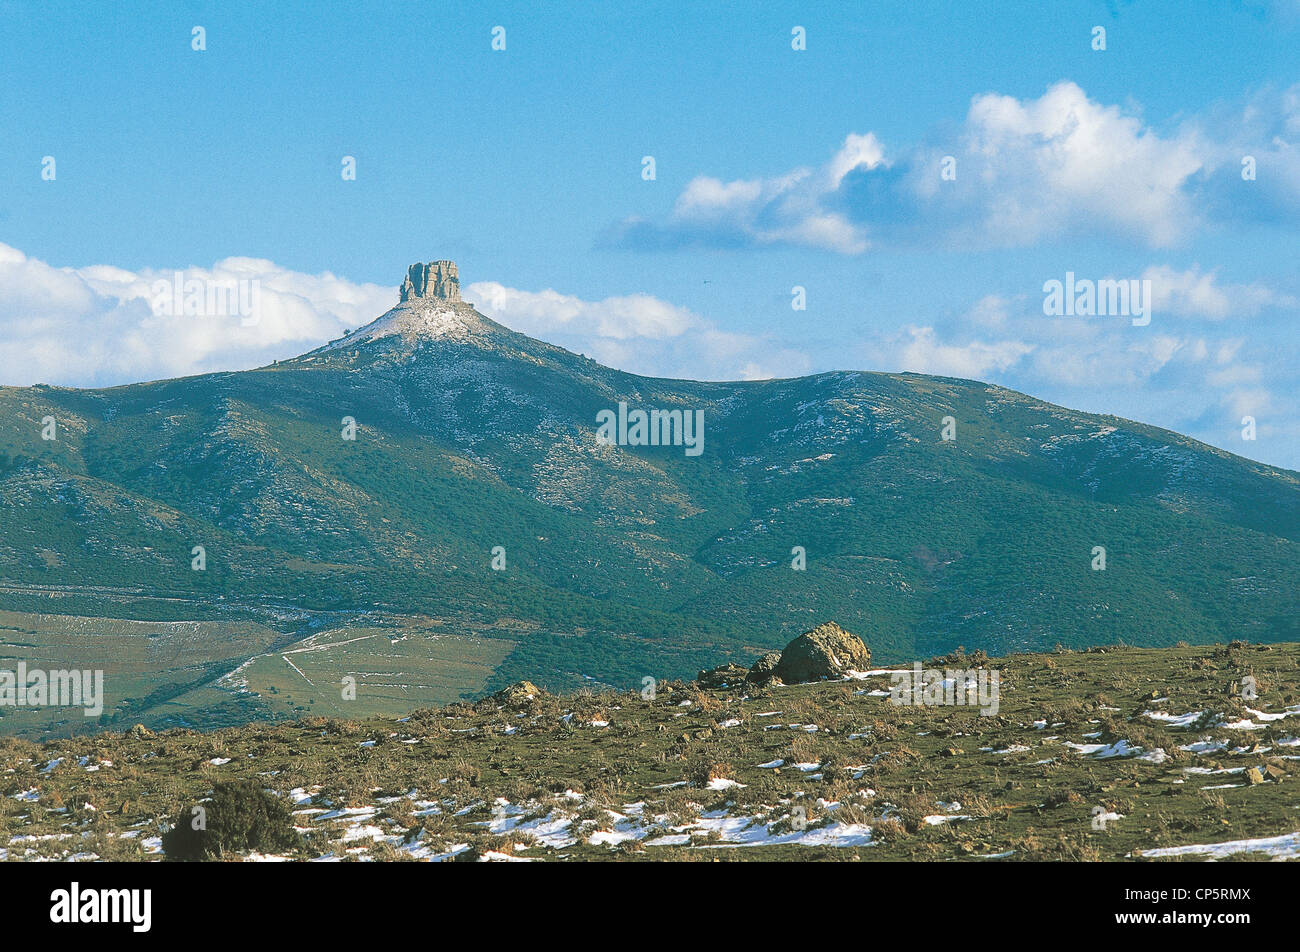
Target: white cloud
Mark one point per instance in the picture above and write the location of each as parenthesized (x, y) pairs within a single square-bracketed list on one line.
[(1003, 339), (98, 325), (1027, 171), (919, 350), (706, 198), (781, 364), (101, 325), (990, 312), (857, 152), (638, 333), (1048, 164), (1194, 293), (785, 210), (1186, 376), (538, 313)]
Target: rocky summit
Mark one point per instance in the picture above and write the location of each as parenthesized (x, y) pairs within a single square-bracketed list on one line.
[(429, 308), (437, 279)]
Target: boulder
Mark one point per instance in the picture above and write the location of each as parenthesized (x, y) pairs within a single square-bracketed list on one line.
[(724, 676), (520, 692), (763, 667), (827, 651)]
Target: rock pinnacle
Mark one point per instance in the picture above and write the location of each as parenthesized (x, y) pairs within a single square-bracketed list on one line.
[(437, 279)]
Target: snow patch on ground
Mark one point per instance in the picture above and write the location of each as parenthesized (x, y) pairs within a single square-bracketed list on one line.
[(1286, 846)]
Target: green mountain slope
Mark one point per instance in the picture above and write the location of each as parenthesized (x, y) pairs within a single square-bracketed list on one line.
[(626, 562)]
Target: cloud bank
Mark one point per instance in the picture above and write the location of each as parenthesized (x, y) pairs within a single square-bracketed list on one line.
[(98, 326), (1200, 367), (1014, 173), (637, 333), (102, 325)]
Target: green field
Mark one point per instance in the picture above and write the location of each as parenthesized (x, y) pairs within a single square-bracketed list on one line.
[(395, 670), (145, 663), (212, 674)]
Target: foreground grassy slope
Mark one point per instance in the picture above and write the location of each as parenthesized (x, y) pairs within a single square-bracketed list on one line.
[(1115, 753)]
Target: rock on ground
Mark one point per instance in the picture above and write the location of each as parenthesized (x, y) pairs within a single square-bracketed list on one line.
[(827, 651)]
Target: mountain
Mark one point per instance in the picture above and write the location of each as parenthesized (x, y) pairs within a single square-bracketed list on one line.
[(327, 557)]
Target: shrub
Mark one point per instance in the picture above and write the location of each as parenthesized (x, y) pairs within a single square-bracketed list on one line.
[(239, 816)]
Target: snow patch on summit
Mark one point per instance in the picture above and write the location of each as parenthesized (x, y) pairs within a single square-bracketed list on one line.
[(415, 320)]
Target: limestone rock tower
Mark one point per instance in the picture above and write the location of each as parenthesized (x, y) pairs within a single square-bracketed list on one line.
[(437, 279)]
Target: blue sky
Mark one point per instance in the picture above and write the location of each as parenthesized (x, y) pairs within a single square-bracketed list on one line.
[(774, 168)]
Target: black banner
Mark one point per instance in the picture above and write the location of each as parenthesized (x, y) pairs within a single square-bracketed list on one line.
[(148, 902)]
